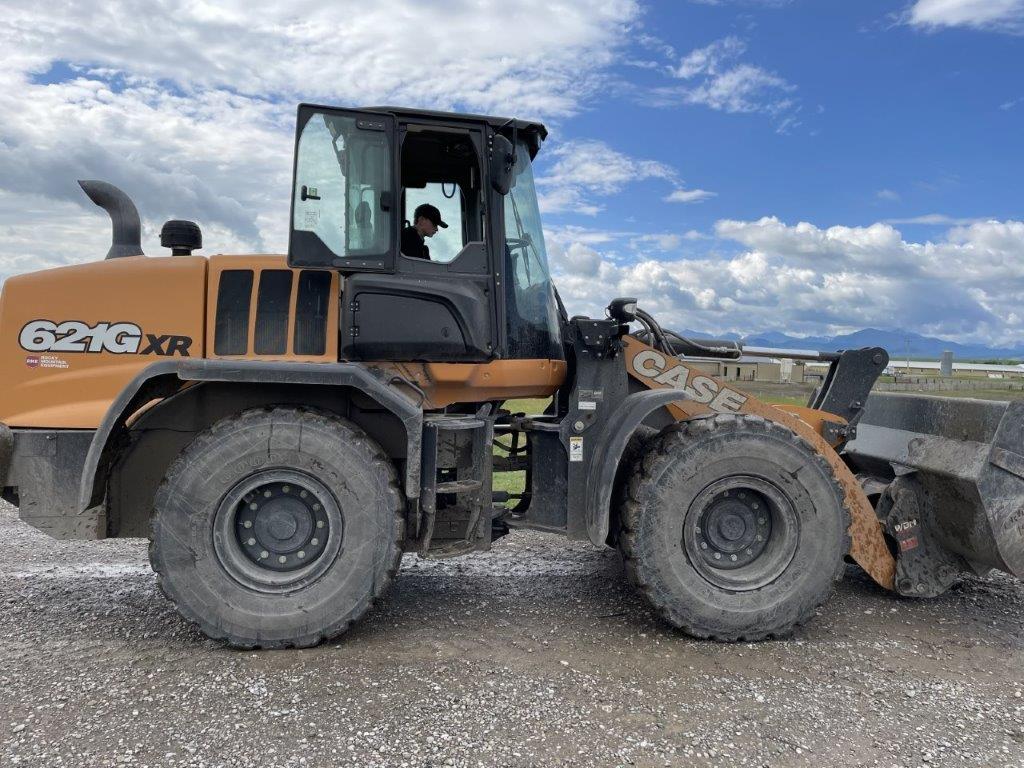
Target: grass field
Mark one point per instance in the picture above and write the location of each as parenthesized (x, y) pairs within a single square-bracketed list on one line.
[(515, 482)]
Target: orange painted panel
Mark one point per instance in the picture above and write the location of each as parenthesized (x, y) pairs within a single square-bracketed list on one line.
[(71, 338), (448, 383)]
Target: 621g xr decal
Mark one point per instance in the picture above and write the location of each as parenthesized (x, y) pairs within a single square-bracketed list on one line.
[(113, 338)]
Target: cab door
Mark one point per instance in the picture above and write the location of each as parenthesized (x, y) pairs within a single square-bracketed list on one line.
[(343, 213), (440, 308)]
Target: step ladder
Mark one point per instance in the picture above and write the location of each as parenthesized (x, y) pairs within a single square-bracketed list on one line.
[(454, 528)]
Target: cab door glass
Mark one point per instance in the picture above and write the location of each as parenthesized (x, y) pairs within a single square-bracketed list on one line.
[(448, 198), (343, 181)]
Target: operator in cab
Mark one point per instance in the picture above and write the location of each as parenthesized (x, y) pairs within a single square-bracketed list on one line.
[(425, 221)]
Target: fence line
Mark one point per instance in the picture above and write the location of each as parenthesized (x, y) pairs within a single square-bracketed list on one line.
[(949, 385)]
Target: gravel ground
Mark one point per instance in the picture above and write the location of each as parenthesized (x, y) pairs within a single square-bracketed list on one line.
[(536, 654)]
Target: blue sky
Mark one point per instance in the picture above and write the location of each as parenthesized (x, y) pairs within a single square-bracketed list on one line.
[(888, 121), (810, 166)]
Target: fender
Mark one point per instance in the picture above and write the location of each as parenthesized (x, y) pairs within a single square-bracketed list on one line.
[(165, 378), (629, 415)]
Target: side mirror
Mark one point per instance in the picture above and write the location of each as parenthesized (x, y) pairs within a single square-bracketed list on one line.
[(502, 163)]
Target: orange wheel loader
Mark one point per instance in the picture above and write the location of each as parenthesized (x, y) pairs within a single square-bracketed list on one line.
[(283, 428)]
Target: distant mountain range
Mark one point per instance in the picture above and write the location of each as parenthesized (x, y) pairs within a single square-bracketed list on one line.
[(898, 343)]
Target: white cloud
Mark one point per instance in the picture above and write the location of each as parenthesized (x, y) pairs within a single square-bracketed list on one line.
[(584, 169), (711, 59), (933, 219), (190, 106), (689, 196), (715, 77), (888, 195), (811, 280), (1001, 15), (663, 241), (744, 88), (445, 53)]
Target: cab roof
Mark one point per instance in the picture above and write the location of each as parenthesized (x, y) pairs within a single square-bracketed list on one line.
[(533, 131)]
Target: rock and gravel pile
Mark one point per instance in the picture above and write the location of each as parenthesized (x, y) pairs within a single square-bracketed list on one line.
[(535, 654)]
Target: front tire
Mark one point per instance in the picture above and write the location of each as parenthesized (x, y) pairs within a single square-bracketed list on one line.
[(734, 528), (277, 527)]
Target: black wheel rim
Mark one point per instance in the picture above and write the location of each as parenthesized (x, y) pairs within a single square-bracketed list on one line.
[(741, 532), (278, 530)]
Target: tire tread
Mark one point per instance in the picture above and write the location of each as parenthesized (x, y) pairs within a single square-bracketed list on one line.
[(660, 451), (354, 436)]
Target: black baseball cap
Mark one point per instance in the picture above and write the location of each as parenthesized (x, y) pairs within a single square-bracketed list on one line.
[(429, 212)]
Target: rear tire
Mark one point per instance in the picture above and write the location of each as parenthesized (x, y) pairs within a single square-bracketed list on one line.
[(734, 528), (277, 528)]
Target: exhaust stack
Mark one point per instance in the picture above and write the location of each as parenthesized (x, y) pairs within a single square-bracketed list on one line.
[(126, 238)]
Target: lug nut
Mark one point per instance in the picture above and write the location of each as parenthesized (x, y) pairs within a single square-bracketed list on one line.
[(314, 542), (247, 524), (316, 507), (282, 559), (251, 542), (762, 520), (718, 555), (302, 554), (253, 507), (264, 554), (703, 545), (733, 558), (319, 523), (303, 494), (266, 494)]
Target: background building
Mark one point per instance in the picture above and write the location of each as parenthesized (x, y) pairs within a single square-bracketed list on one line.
[(752, 369)]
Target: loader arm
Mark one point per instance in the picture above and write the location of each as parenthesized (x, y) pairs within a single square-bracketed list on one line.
[(706, 395)]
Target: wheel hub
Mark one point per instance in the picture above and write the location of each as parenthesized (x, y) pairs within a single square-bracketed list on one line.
[(734, 528), (281, 527), (740, 532), (278, 529)]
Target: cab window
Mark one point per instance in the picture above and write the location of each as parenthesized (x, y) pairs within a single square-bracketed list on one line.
[(441, 168), (449, 199), (343, 185)]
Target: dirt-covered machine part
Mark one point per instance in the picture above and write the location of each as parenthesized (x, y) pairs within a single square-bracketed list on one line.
[(949, 477)]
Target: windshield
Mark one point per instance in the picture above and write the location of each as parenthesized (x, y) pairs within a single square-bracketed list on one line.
[(533, 321)]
